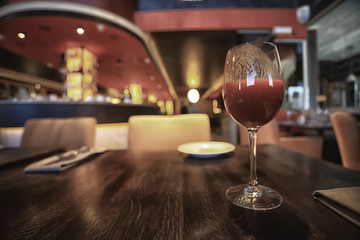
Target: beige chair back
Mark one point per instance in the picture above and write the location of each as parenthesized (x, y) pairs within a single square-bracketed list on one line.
[(158, 132), (270, 134), (348, 138), (267, 134), (67, 133)]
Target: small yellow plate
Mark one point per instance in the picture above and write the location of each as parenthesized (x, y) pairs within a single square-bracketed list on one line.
[(206, 149)]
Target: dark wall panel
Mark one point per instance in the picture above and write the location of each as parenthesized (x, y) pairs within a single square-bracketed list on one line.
[(15, 114)]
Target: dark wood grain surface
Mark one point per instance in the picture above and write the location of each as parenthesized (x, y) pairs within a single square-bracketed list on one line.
[(166, 195), (15, 155)]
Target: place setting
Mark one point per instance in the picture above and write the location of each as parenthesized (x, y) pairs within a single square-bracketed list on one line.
[(63, 161)]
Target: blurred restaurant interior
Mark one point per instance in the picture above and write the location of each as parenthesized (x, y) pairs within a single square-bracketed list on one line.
[(114, 59), (114, 123)]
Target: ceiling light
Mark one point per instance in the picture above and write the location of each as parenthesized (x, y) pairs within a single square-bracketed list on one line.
[(193, 81), (100, 27), (351, 78), (80, 31), (21, 35), (303, 13), (147, 60), (193, 95), (152, 78)]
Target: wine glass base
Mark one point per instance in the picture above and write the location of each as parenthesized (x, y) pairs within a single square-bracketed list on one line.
[(254, 198)]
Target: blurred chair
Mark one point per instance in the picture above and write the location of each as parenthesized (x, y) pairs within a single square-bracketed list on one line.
[(270, 134), (67, 133), (348, 138), (287, 115), (112, 136), (158, 132), (11, 136)]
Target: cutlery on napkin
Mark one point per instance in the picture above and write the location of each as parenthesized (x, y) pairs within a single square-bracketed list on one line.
[(60, 162), (344, 201)]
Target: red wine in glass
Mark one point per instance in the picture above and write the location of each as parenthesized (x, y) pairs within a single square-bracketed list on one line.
[(255, 105), (253, 92)]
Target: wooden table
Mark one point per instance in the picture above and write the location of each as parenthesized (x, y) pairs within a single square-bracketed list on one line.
[(17, 155), (165, 195)]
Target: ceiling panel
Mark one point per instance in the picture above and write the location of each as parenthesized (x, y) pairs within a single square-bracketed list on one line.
[(338, 32), (123, 55), (194, 59)]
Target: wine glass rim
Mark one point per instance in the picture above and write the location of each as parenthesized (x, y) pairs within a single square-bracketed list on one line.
[(254, 42)]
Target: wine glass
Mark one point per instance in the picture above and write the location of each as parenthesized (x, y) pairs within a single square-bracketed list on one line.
[(253, 92)]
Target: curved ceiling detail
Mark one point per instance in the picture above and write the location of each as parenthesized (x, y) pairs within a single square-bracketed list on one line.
[(123, 51)]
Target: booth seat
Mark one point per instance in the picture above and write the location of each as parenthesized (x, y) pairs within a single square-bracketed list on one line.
[(270, 134), (109, 136), (67, 133), (11, 136)]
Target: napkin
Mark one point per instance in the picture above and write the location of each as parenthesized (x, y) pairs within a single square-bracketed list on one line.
[(344, 201), (57, 164)]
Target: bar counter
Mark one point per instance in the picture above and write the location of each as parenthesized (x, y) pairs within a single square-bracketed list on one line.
[(14, 114), (167, 195)]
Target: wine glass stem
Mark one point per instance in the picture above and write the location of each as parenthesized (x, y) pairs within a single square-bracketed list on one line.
[(253, 182)]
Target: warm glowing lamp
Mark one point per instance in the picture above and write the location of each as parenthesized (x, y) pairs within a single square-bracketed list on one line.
[(193, 80), (193, 95), (216, 108), (161, 105), (136, 93), (115, 100), (169, 107), (80, 81), (152, 98), (88, 61), (87, 93), (73, 59)]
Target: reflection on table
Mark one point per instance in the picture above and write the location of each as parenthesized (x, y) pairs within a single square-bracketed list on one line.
[(168, 195)]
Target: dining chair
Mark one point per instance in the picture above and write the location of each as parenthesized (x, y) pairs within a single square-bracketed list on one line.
[(112, 136), (270, 134), (67, 133), (347, 135), (159, 132)]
